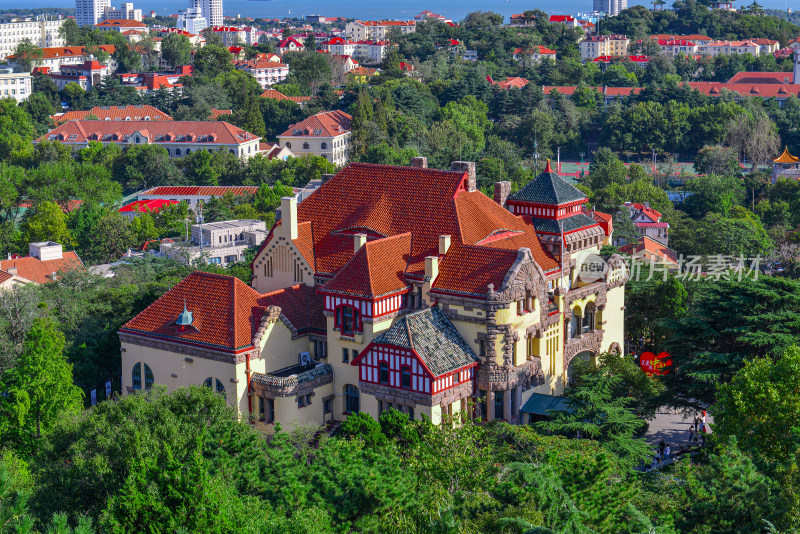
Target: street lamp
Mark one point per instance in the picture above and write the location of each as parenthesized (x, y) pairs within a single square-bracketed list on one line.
[(582, 158)]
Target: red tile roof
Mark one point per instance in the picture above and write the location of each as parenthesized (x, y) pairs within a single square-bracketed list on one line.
[(38, 271), (277, 95), (561, 18), (468, 270), (534, 50), (300, 304), (82, 131), (692, 37), (652, 224), (221, 307), (200, 190), (68, 51), (762, 77), (147, 206), (286, 43), (764, 90), (323, 124), (655, 215), (260, 64), (646, 244), (509, 82), (115, 113), (363, 71), (120, 23), (4, 277), (425, 202), (376, 269), (215, 113)]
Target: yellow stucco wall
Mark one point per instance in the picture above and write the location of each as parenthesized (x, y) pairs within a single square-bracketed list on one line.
[(278, 349), (164, 364), (614, 317)]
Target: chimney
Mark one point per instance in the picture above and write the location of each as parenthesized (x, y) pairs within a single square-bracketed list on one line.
[(419, 162), (289, 217), (326, 177), (469, 168), (11, 270), (431, 268), (359, 240), (444, 244), (501, 192)]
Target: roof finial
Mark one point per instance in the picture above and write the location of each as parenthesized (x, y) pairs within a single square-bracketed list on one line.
[(185, 318), (548, 168)]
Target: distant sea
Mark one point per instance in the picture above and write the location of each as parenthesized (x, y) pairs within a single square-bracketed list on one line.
[(368, 9)]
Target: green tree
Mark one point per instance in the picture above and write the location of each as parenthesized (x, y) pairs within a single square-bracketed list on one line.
[(713, 193), (594, 412), (176, 49), (605, 169), (143, 166), (70, 32), (212, 59), (46, 222), (27, 55), (39, 388), (128, 59)]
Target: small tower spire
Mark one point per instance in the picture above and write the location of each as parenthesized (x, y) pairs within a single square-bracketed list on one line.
[(548, 168)]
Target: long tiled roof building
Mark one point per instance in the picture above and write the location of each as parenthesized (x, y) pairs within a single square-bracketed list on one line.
[(400, 287)]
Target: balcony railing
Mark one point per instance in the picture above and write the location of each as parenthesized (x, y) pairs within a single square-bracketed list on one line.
[(288, 381)]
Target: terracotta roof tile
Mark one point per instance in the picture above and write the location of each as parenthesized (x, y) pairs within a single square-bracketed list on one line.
[(82, 131), (68, 51), (200, 190), (277, 95), (120, 23), (4, 277), (468, 270), (147, 206), (222, 311), (38, 271), (786, 157), (376, 269), (300, 304), (324, 124), (115, 113)]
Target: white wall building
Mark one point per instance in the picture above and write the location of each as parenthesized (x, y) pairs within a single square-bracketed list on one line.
[(211, 10), (125, 11), (326, 134), (90, 12), (42, 32), (266, 73), (16, 85), (191, 20), (220, 243), (54, 58), (377, 30)]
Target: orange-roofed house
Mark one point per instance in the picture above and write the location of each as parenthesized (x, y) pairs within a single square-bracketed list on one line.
[(326, 134), (395, 287), (648, 221), (43, 264), (137, 207), (133, 112), (534, 54), (785, 166), (266, 73), (652, 251), (54, 57), (277, 95), (121, 25)]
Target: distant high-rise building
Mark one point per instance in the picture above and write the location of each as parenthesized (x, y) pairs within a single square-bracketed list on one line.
[(125, 12), (191, 20), (610, 7), (211, 10), (90, 12)]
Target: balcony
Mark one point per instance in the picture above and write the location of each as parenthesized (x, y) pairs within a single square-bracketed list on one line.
[(292, 380), (589, 341)]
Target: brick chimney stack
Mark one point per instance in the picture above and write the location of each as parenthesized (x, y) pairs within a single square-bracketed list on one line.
[(469, 168), (502, 190)]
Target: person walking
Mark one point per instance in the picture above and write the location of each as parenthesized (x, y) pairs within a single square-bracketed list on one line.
[(691, 434), (667, 452), (661, 446)]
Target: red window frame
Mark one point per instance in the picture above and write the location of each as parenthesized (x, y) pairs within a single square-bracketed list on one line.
[(406, 369), (388, 369), (355, 318)]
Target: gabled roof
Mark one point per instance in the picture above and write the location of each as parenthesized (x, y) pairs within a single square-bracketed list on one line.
[(222, 311), (647, 244), (277, 95), (376, 269), (115, 113), (199, 190), (323, 124), (147, 206), (786, 157), (433, 338), (286, 43), (652, 214), (38, 271), (548, 188), (68, 51), (120, 23), (301, 305), (82, 131), (762, 77)]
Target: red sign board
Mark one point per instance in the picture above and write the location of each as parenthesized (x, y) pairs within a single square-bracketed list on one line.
[(655, 365)]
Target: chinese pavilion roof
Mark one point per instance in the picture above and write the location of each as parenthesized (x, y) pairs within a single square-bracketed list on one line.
[(433, 337), (786, 157), (548, 188)]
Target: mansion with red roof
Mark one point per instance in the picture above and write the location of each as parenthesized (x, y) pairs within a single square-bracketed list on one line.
[(401, 287)]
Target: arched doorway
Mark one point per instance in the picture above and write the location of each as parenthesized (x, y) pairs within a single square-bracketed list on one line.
[(585, 356)]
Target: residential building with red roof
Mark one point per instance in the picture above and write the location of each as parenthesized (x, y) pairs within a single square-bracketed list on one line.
[(417, 292), (120, 25), (652, 251), (150, 82), (289, 44), (192, 194), (566, 20), (648, 221), (179, 138), (593, 46), (87, 75), (277, 95), (694, 37), (640, 61), (534, 54), (266, 73), (326, 134), (134, 112), (715, 48), (674, 47), (230, 35), (511, 82), (137, 207), (53, 57), (44, 262), (377, 30), (521, 19), (361, 74), (372, 51), (43, 31)]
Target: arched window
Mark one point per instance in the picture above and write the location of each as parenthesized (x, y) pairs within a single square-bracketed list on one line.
[(383, 373), (588, 321), (347, 319), (305, 146), (351, 404), (288, 145), (574, 324), (177, 151), (324, 145), (188, 151), (148, 377), (220, 387), (136, 376), (405, 377), (232, 152)]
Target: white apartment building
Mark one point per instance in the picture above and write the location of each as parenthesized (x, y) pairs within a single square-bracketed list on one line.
[(53, 58), (595, 46), (715, 48), (191, 20), (369, 51), (90, 12), (611, 8), (16, 85), (125, 11), (266, 73), (326, 134), (210, 9), (220, 243), (42, 32), (376, 30), (230, 35)]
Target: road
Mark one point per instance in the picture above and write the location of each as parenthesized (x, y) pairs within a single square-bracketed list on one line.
[(672, 428)]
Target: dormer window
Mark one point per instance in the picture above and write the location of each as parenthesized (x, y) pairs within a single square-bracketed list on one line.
[(347, 319)]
